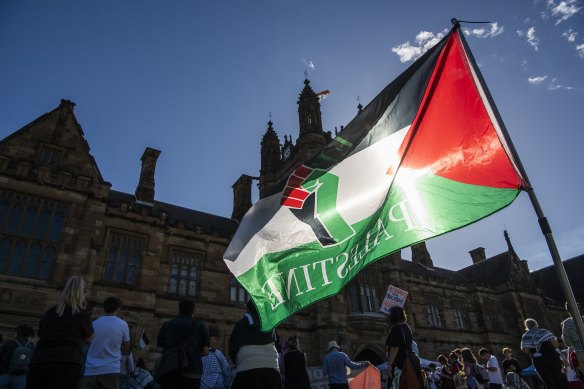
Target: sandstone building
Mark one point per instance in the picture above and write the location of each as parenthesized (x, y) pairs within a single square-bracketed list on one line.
[(59, 216)]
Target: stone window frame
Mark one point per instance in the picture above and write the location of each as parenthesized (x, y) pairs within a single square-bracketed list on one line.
[(195, 260), (237, 293), (50, 155), (124, 235), (30, 227), (363, 296), (490, 315), (460, 314), (433, 313)]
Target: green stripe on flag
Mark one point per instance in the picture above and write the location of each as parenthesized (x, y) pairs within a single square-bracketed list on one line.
[(417, 209)]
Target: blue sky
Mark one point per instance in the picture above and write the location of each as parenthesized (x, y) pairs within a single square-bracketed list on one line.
[(197, 80)]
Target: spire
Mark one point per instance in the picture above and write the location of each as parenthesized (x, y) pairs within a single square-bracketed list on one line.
[(270, 150), (309, 111), (510, 249), (287, 147), (359, 106), (270, 134)]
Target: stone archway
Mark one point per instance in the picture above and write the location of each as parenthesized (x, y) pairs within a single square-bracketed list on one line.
[(371, 355)]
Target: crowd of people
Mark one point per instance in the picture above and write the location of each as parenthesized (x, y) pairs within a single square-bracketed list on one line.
[(74, 352), (554, 368)]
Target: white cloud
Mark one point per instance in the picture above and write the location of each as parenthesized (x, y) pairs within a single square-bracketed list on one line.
[(406, 52), (498, 58), (555, 86), (570, 35), (423, 42), (531, 38), (537, 80), (484, 33), (309, 64), (424, 36), (564, 9)]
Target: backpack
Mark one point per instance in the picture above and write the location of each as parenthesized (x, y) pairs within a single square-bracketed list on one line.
[(21, 357), (480, 373), (514, 381)]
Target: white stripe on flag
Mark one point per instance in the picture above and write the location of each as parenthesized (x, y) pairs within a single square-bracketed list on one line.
[(363, 186)]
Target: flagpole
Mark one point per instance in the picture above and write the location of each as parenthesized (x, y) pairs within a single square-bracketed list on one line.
[(543, 222)]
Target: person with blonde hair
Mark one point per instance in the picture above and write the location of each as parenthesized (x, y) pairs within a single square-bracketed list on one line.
[(63, 331), (542, 346)]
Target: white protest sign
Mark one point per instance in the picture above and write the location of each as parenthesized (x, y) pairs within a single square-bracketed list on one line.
[(394, 297)]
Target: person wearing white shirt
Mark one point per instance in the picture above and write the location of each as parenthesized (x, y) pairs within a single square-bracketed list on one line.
[(111, 340), (495, 377)]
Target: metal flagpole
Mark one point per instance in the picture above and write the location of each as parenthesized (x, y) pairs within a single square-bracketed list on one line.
[(543, 222)]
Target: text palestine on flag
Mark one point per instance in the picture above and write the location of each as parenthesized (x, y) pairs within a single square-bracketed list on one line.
[(425, 157)]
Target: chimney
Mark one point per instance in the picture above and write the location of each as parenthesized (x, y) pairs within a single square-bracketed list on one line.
[(421, 255), (241, 196), (145, 189), (477, 255)]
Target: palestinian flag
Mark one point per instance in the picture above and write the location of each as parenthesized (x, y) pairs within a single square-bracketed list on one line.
[(425, 157)]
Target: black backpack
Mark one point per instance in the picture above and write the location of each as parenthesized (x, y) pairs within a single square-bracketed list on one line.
[(480, 373), (21, 357)]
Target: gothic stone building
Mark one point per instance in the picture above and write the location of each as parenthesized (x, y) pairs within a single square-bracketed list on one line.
[(59, 216)]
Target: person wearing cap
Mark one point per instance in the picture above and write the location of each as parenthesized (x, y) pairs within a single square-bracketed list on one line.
[(571, 338), (334, 366)]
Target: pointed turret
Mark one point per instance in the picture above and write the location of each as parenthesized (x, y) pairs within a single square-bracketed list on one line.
[(270, 160), (311, 137), (270, 150), (309, 111), (510, 249)]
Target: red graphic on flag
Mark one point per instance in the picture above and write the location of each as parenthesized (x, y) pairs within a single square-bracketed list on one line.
[(294, 194)]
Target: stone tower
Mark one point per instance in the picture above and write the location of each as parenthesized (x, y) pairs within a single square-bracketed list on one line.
[(145, 189), (270, 159)]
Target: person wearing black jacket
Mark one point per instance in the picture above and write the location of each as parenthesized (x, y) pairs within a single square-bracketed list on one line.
[(254, 354), (399, 347), (184, 340), (295, 374), (64, 330)]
